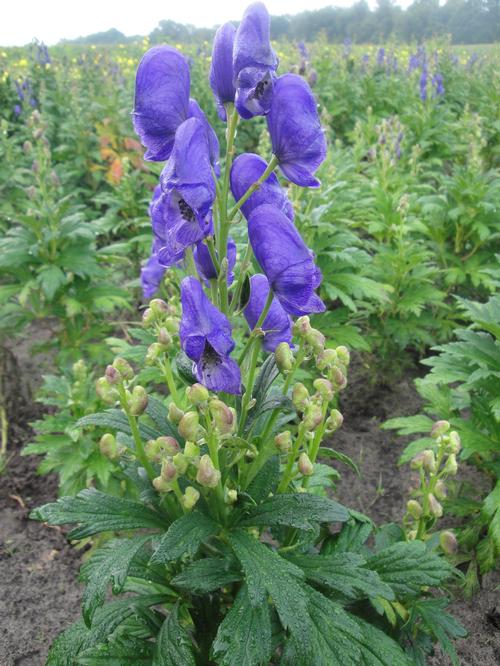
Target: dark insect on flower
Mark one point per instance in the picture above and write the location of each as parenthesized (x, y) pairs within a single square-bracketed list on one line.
[(277, 325)]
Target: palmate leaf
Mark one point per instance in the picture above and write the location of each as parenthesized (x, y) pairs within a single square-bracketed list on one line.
[(184, 537), (119, 652), (244, 635), (207, 575), (300, 510), (266, 481), (173, 645), (109, 564), (344, 574), (409, 566), (116, 420), (438, 623), (97, 512)]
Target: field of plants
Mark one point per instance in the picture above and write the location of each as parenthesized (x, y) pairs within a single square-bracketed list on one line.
[(250, 353)]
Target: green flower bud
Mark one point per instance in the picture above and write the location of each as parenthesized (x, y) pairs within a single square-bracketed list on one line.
[(174, 413), (324, 388), (168, 470), (164, 337), (224, 417), (54, 179), (412, 535), (306, 468), (312, 417), (302, 326), (79, 370), (31, 192), (434, 506), (439, 428), (230, 496), (159, 307), (440, 489), (334, 421), (157, 449), (124, 368), (300, 397), (426, 460), (316, 340), (283, 441), (148, 318), (451, 467), (181, 463), (161, 485), (171, 324), (448, 542), (112, 375), (27, 147), (189, 425), (414, 509), (326, 359), (108, 446), (197, 394), (283, 356), (190, 497), (454, 444), (191, 450), (154, 352), (138, 401), (105, 391), (343, 355), (339, 380), (207, 475)]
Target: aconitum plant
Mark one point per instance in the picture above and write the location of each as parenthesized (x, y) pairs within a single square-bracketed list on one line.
[(231, 550)]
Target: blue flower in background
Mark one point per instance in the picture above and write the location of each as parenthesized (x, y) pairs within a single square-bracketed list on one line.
[(221, 69)]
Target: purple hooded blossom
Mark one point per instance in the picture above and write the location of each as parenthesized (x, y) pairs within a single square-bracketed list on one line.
[(205, 265), (195, 111), (437, 82), (277, 325), (221, 70), (161, 100), (286, 260), (152, 271), (254, 63), (205, 335), (247, 169), (380, 56), (296, 135), (423, 83)]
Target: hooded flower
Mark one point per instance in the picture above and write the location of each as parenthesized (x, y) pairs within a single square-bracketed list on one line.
[(286, 260), (297, 137), (205, 265), (254, 63), (277, 324), (161, 100), (182, 216), (152, 273), (213, 142), (205, 335), (221, 69), (246, 170)]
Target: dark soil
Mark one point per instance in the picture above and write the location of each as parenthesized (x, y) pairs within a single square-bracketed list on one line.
[(39, 594)]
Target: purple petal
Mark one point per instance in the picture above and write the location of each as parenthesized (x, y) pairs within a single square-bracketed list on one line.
[(277, 324), (205, 265), (221, 69), (161, 100), (151, 275), (213, 142), (297, 137), (217, 372)]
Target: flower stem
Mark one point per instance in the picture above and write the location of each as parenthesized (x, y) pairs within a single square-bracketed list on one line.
[(255, 331), (139, 448), (169, 377), (292, 457), (249, 385), (246, 262)]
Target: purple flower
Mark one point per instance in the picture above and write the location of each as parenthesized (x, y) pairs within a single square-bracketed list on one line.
[(17, 109), (423, 83), (182, 216), (246, 170), (221, 69), (195, 111), (205, 335), (303, 50), (205, 265), (161, 100), (380, 56), (152, 273), (297, 137), (286, 260), (254, 63), (437, 82), (277, 324)]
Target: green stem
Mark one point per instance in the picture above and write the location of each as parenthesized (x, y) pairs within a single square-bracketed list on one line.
[(139, 448), (255, 330), (249, 385), (269, 170), (316, 443), (169, 377), (292, 457), (246, 262)]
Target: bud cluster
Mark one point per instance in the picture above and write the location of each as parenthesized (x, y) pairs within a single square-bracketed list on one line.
[(116, 385), (431, 469), (162, 319)]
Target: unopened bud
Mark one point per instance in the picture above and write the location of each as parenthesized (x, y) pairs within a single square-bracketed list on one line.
[(159, 448), (159, 307), (454, 444), (300, 397), (148, 317), (312, 417), (35, 167), (324, 388), (138, 401), (448, 542), (181, 463), (439, 428), (343, 355), (414, 509), (27, 147), (207, 475), (197, 394), (108, 446), (230, 496), (224, 417), (283, 441), (171, 324), (451, 467), (174, 413), (434, 506), (326, 359), (189, 425), (306, 468), (79, 370), (161, 485), (190, 497), (338, 378), (302, 326), (153, 353), (164, 337), (31, 192), (283, 356), (112, 375), (334, 421), (426, 460), (124, 368), (54, 179), (105, 391), (316, 340), (168, 470), (191, 450), (440, 489), (412, 535)]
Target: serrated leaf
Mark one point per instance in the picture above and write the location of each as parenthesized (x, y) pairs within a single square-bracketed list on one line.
[(51, 278), (207, 575), (109, 564), (97, 512), (266, 480), (157, 411), (352, 536), (244, 635), (173, 645), (184, 537), (117, 420), (440, 624), (326, 452), (119, 652), (300, 510)]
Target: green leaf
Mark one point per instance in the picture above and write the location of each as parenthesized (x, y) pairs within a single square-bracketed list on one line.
[(158, 413), (300, 510), (119, 652), (67, 645), (184, 537), (409, 566), (325, 452), (173, 645), (244, 635), (409, 425), (109, 564), (117, 420), (96, 512), (352, 536), (207, 575), (440, 624), (345, 574), (51, 278), (266, 481)]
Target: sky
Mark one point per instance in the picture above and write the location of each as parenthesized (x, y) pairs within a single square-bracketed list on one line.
[(52, 20)]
